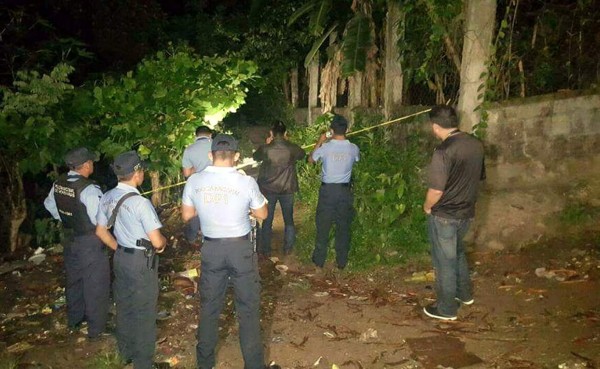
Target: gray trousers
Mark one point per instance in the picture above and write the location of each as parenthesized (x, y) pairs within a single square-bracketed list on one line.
[(136, 296), (335, 206), (223, 261), (88, 283)]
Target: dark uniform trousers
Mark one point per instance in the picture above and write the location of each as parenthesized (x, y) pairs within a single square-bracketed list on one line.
[(136, 296), (88, 282), (224, 260), (335, 206)]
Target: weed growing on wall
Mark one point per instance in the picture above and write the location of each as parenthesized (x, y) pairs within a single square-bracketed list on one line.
[(388, 195)]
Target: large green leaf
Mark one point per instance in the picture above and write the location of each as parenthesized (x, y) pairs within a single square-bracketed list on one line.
[(307, 7), (318, 19), (317, 45), (357, 42)]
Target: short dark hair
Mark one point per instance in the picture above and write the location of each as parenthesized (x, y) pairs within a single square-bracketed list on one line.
[(278, 128), (203, 130), (223, 155), (444, 116), (125, 177), (339, 125)]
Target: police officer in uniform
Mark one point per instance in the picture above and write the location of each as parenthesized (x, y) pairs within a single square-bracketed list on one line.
[(138, 238), (222, 198), (195, 159), (335, 195), (74, 200)]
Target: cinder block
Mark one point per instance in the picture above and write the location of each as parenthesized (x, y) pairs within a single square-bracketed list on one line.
[(559, 125)]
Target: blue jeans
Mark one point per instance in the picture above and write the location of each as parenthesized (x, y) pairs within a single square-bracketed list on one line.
[(452, 278), (286, 202), (226, 262)]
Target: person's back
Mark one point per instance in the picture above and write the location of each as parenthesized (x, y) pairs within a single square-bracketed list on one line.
[(335, 205), (195, 159), (138, 239), (278, 181), (223, 199), (74, 200), (277, 174)]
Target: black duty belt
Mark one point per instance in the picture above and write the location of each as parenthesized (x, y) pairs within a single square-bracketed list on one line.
[(347, 184), (244, 237), (130, 250)]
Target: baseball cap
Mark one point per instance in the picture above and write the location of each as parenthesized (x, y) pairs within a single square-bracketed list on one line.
[(127, 162), (78, 156), (223, 142)]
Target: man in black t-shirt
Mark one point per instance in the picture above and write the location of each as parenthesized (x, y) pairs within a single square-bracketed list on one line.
[(456, 169)]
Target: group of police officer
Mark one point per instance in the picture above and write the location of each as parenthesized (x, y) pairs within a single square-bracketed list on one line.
[(216, 196)]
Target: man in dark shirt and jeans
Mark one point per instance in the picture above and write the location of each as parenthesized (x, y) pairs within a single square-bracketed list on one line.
[(456, 169), (278, 181)]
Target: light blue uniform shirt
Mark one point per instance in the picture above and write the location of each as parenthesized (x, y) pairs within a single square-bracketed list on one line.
[(338, 157), (196, 155), (89, 197), (136, 217), (223, 197)]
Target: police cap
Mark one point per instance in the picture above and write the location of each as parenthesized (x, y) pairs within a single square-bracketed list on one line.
[(127, 163), (78, 156)]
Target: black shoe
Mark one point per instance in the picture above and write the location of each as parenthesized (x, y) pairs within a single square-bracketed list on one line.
[(432, 312), (99, 337), (272, 366)]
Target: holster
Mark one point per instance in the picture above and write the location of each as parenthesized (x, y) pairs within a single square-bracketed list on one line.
[(149, 252)]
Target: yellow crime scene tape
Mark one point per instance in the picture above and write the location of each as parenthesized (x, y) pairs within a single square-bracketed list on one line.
[(307, 146)]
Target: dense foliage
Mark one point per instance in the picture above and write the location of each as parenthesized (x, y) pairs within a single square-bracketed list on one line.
[(388, 187), (157, 107)]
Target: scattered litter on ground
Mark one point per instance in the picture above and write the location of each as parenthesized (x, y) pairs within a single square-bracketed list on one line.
[(560, 275), (421, 277), (18, 347), (369, 335), (321, 294)]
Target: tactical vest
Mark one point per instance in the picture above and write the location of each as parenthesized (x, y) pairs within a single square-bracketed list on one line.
[(73, 213)]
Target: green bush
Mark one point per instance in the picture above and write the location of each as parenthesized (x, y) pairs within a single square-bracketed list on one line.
[(388, 195)]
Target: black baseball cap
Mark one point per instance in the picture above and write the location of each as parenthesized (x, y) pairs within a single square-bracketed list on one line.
[(78, 156), (127, 163), (223, 142)]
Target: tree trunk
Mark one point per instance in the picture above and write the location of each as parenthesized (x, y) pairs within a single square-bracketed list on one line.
[(479, 29), (394, 78), (14, 205), (355, 90), (294, 87), (156, 195), (313, 86)]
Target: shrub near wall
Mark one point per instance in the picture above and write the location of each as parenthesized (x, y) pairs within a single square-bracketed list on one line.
[(389, 223)]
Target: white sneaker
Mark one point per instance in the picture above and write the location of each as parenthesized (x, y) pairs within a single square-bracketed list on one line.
[(467, 302)]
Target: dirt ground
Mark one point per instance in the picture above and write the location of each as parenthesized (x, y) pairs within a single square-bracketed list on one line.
[(523, 316)]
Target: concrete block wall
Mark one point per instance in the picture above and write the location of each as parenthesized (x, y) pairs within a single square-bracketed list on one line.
[(538, 137)]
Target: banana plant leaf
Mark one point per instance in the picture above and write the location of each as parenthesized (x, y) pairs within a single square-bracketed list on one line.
[(357, 42)]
